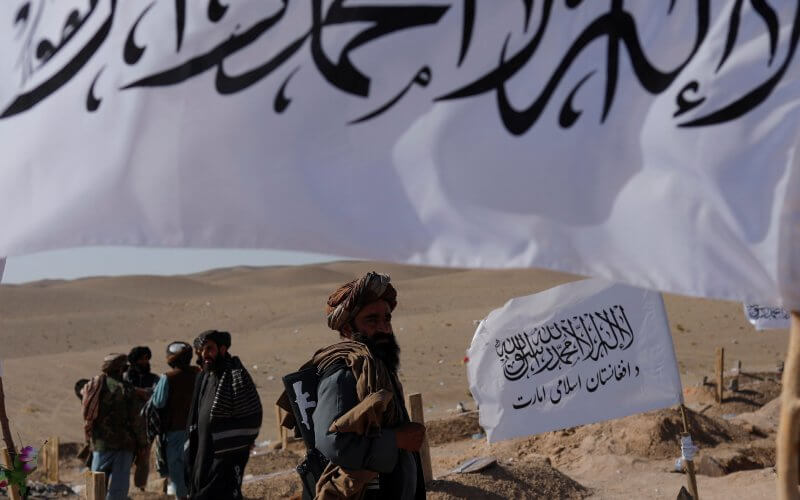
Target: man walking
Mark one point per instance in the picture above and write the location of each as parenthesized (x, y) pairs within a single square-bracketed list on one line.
[(173, 394), (110, 411), (224, 421), (361, 423)]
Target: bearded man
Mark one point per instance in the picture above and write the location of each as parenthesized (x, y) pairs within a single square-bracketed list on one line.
[(360, 422), (139, 374), (224, 421)]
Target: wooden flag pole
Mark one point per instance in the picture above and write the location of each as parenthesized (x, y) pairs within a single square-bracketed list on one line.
[(789, 428), (689, 463), (4, 422)]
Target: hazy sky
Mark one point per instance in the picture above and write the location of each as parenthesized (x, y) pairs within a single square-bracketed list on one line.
[(115, 261)]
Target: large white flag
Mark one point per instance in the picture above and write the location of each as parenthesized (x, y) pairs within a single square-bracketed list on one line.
[(655, 145), (578, 353)]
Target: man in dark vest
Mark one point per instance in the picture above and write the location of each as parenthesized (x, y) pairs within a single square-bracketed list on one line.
[(173, 395), (223, 423)]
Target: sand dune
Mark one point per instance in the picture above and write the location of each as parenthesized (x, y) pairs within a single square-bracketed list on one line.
[(54, 332)]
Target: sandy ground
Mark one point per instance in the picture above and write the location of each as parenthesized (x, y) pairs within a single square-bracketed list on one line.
[(55, 332)]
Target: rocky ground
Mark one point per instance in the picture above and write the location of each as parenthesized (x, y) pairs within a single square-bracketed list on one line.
[(624, 458)]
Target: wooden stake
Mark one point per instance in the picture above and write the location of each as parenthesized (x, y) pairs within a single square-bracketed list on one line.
[(414, 404), (13, 490), (50, 460), (788, 439), (689, 463), (95, 485), (283, 432), (278, 425), (720, 369)]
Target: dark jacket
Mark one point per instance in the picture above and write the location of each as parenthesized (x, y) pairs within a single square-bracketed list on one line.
[(140, 380), (115, 426), (224, 421)]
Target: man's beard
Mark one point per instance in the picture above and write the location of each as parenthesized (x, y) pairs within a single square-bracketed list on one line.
[(216, 365), (383, 346), (144, 370)]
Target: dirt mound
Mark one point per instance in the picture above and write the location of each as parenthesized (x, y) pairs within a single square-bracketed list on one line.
[(279, 485), (765, 418), (755, 389), (272, 461), (721, 461), (528, 479), (653, 435), (449, 429)]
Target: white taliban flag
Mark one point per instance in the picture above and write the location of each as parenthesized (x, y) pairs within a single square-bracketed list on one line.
[(575, 354), (655, 145)]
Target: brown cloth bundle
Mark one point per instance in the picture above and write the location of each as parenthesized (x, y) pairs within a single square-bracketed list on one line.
[(345, 303)]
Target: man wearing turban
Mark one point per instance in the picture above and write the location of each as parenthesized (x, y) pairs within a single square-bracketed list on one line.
[(110, 412), (224, 420), (173, 395), (143, 380), (360, 422)]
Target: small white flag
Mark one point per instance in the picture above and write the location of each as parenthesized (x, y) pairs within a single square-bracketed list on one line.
[(575, 354), (766, 317)]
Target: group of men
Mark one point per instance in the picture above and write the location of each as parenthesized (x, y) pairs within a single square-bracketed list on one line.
[(208, 417)]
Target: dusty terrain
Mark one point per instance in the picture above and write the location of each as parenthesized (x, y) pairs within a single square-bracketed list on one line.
[(53, 333)]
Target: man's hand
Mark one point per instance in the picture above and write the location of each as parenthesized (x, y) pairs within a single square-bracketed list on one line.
[(409, 436)]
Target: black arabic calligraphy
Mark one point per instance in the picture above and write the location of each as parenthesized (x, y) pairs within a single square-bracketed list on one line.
[(616, 27), (565, 343), (564, 386)]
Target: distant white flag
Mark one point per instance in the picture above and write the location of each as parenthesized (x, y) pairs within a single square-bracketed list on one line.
[(651, 145), (2, 268), (575, 354), (766, 317)]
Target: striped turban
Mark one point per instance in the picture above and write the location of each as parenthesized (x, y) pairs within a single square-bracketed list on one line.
[(345, 303)]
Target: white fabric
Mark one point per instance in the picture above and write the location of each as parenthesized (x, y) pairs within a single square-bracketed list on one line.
[(110, 138), (578, 353), (688, 449), (766, 317), (2, 268)]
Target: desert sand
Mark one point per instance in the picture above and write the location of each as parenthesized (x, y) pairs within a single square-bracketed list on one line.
[(54, 332)]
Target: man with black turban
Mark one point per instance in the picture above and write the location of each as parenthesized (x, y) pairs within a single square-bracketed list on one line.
[(139, 374), (140, 377), (360, 422), (173, 395), (109, 411), (224, 421)]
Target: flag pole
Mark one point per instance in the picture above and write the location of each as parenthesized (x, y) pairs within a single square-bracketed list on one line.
[(689, 463), (789, 429)]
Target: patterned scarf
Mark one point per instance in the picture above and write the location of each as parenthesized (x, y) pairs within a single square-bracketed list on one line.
[(236, 394)]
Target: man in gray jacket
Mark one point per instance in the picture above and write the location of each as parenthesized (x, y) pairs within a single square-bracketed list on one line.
[(383, 460)]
